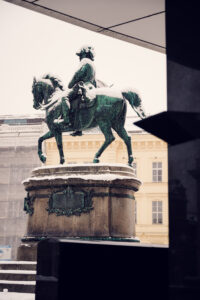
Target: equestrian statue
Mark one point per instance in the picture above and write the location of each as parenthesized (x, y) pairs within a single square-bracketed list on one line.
[(87, 103)]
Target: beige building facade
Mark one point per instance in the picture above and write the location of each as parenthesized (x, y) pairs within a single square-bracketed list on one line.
[(150, 164)]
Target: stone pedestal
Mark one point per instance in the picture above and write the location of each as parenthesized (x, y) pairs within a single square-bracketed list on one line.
[(93, 201)]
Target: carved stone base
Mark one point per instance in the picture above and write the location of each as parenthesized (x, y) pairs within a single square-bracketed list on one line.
[(93, 200)]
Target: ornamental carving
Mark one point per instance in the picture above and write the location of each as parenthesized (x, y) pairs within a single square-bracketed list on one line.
[(28, 204), (69, 202)]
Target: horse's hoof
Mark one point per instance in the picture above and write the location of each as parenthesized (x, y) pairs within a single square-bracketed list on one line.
[(62, 161), (96, 161), (43, 158), (77, 133), (130, 161)]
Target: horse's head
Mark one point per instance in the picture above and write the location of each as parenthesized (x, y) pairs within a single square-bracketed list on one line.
[(43, 89)]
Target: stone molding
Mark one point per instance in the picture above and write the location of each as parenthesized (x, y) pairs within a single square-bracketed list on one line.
[(117, 144)]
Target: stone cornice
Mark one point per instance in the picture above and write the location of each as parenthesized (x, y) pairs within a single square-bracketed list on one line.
[(117, 144)]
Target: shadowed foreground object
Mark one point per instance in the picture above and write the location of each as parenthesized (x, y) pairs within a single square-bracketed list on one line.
[(100, 270), (173, 127)]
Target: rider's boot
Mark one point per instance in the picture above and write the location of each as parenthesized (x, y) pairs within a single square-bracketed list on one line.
[(76, 133)]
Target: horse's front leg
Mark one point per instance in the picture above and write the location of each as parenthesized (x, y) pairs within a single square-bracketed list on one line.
[(58, 137), (48, 135)]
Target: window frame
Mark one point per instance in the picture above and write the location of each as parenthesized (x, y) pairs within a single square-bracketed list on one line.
[(157, 212), (157, 171)]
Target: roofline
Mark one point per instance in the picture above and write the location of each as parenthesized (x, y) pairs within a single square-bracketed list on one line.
[(21, 117), (87, 25)]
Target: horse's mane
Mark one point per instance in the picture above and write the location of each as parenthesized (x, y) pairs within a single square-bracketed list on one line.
[(54, 80)]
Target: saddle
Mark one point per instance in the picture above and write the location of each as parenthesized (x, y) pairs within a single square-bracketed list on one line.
[(88, 95)]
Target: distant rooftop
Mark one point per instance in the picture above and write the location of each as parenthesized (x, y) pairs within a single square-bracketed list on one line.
[(21, 119)]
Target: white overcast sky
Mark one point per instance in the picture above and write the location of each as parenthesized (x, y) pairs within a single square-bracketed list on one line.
[(33, 44)]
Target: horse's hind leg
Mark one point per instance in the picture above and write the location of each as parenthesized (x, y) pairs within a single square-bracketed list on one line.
[(46, 136), (109, 138), (58, 137), (121, 131)]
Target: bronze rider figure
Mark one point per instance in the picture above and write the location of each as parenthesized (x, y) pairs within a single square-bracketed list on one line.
[(85, 73)]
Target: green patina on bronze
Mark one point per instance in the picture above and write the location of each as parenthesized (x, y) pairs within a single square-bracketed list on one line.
[(69, 202), (74, 111), (28, 204)]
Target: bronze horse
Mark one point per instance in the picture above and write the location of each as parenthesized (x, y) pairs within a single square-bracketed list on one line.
[(106, 111)]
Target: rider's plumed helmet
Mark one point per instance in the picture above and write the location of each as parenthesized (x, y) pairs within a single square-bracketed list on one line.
[(87, 51)]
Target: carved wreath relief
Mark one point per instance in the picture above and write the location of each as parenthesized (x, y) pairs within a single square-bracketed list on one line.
[(69, 202)]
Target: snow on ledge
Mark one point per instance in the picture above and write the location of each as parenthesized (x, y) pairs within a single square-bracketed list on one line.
[(84, 165), (17, 282), (102, 177), (18, 272), (18, 262)]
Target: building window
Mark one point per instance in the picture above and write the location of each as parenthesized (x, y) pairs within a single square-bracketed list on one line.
[(157, 171), (157, 212), (135, 169), (135, 211)]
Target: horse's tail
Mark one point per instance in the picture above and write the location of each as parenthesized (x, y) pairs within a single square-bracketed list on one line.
[(135, 102)]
